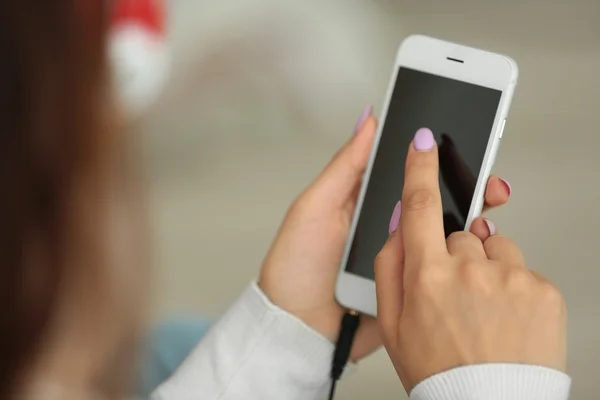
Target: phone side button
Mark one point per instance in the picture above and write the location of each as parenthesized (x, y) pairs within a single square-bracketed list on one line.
[(502, 128)]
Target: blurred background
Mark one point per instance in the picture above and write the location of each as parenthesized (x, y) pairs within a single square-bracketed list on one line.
[(264, 92)]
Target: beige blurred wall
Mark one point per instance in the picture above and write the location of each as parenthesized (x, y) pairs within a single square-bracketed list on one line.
[(263, 96)]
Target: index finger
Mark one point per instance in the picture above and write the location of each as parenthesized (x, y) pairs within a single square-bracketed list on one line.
[(422, 214)]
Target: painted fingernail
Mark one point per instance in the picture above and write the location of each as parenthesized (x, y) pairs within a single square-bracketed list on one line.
[(395, 220), (507, 186), (363, 118), (424, 140), (491, 226)]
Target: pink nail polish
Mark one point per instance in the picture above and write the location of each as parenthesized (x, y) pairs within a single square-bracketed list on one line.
[(491, 226), (424, 140), (395, 220), (363, 118), (507, 185)]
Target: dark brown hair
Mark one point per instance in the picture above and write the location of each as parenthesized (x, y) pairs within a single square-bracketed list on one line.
[(51, 103)]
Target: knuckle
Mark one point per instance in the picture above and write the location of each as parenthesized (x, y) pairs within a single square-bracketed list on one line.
[(471, 268), (552, 297), (420, 199), (381, 260), (461, 237), (383, 257), (387, 256), (304, 206), (493, 242), (497, 241), (499, 244), (429, 279), (300, 203), (519, 280), (454, 238), (474, 275)]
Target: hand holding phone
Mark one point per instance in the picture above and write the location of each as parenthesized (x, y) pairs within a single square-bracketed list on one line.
[(460, 94), (460, 301)]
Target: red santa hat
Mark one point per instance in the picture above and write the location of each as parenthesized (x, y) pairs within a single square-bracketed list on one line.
[(138, 53)]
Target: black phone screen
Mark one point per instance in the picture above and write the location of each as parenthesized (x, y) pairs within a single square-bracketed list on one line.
[(461, 116)]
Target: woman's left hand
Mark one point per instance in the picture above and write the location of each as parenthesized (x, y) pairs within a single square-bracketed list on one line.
[(301, 268)]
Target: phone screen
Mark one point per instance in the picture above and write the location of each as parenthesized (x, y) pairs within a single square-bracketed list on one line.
[(461, 116)]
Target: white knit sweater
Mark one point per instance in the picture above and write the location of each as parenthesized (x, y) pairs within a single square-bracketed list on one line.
[(258, 351)]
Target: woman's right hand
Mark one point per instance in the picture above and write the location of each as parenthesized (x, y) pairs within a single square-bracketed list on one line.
[(461, 301)]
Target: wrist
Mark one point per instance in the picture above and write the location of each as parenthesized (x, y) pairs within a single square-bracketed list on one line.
[(317, 319), (325, 320)]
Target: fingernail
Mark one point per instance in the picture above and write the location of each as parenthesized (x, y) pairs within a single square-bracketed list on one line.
[(395, 220), (363, 118), (507, 186), (424, 140), (491, 226)]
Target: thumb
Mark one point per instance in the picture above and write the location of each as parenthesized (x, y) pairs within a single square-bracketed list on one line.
[(338, 182), (389, 278)]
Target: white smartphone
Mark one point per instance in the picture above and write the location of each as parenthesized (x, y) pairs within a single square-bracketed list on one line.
[(463, 95)]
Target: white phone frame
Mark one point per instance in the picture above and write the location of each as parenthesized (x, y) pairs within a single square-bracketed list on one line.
[(448, 60)]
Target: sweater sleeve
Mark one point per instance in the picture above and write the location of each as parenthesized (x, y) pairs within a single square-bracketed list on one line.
[(258, 351), (495, 382), (255, 351)]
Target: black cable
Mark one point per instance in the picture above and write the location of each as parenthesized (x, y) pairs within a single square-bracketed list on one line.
[(349, 326), (332, 391)]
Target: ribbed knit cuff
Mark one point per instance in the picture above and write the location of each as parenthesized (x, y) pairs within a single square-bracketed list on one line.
[(495, 382)]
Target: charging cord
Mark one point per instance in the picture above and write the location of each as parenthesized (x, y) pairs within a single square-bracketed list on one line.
[(349, 326)]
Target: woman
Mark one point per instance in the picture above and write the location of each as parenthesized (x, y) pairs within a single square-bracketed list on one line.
[(71, 258)]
